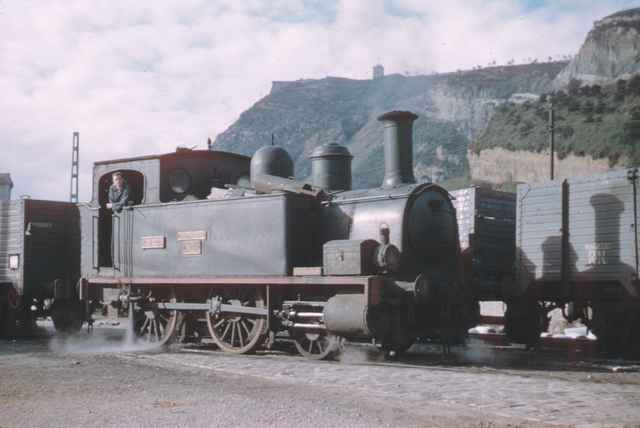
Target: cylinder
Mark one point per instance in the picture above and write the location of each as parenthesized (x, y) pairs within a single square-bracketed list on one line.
[(398, 148), (331, 167), (346, 315)]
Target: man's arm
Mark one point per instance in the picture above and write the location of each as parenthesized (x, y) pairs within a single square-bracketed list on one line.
[(110, 198), (124, 198)]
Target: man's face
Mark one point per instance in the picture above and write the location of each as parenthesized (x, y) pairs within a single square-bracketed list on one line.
[(117, 181)]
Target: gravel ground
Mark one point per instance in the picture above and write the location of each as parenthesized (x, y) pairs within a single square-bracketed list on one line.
[(96, 381)]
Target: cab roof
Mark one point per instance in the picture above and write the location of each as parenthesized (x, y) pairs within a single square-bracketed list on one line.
[(213, 154)]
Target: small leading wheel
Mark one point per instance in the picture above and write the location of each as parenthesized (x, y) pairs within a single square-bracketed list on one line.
[(152, 324), (237, 333), (317, 345)]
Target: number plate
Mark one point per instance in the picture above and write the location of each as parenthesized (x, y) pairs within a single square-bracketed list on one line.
[(154, 242), (192, 235)]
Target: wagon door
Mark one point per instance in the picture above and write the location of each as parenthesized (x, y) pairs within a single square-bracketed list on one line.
[(539, 236)]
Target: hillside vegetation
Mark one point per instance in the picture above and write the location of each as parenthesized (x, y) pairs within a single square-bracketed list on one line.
[(603, 122)]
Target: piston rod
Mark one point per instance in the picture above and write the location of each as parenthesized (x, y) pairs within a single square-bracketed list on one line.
[(309, 326), (294, 314)]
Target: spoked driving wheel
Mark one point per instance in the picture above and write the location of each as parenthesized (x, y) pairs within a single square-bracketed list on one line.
[(237, 333), (153, 324), (317, 345)]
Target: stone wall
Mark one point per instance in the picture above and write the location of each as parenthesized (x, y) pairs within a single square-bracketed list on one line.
[(499, 165)]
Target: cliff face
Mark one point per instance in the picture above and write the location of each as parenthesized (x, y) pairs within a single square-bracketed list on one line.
[(496, 108), (453, 109), (610, 52)]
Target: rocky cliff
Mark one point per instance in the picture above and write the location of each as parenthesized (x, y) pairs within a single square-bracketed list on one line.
[(597, 114), (611, 51), (454, 108), (487, 124)]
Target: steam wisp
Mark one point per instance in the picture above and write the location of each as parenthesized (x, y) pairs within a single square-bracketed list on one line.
[(107, 338)]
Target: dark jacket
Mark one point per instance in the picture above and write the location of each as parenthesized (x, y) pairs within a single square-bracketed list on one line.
[(118, 198)]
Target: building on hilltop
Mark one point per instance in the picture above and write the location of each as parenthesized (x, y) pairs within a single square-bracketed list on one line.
[(378, 71), (5, 187)]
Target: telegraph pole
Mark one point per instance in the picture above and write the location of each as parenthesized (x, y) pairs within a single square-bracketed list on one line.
[(75, 161), (552, 142)]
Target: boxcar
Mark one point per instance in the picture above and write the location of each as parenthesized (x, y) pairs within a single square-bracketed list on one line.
[(486, 223), (577, 244), (39, 263)]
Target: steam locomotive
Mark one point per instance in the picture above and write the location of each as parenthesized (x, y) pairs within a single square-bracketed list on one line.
[(236, 241)]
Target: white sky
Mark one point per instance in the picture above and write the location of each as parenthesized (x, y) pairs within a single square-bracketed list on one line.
[(140, 79)]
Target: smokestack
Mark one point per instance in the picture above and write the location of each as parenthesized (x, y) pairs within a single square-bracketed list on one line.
[(5, 187), (398, 148)]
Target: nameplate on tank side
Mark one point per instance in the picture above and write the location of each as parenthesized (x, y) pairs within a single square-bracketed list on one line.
[(192, 235), (192, 248), (154, 242)]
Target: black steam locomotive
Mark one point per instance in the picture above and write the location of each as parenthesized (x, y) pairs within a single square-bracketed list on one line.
[(235, 241)]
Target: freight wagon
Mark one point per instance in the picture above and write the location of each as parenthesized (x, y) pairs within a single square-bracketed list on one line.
[(39, 264), (577, 245)]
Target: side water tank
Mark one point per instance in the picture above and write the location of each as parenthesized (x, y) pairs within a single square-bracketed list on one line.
[(271, 160), (331, 167)]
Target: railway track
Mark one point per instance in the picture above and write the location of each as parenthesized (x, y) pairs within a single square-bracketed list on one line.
[(481, 353)]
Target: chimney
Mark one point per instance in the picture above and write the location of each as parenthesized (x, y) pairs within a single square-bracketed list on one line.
[(5, 187), (398, 148)]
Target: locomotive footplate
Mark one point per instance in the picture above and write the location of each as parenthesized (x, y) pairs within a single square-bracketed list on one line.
[(370, 286)]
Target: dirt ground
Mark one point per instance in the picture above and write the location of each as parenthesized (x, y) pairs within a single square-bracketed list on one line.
[(95, 380)]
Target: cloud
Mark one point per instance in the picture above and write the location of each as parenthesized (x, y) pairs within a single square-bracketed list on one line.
[(136, 79)]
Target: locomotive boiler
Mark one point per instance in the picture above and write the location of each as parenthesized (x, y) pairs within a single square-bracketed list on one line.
[(235, 242)]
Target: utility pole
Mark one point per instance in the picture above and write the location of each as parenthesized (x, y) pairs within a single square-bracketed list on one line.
[(552, 142), (75, 161)]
